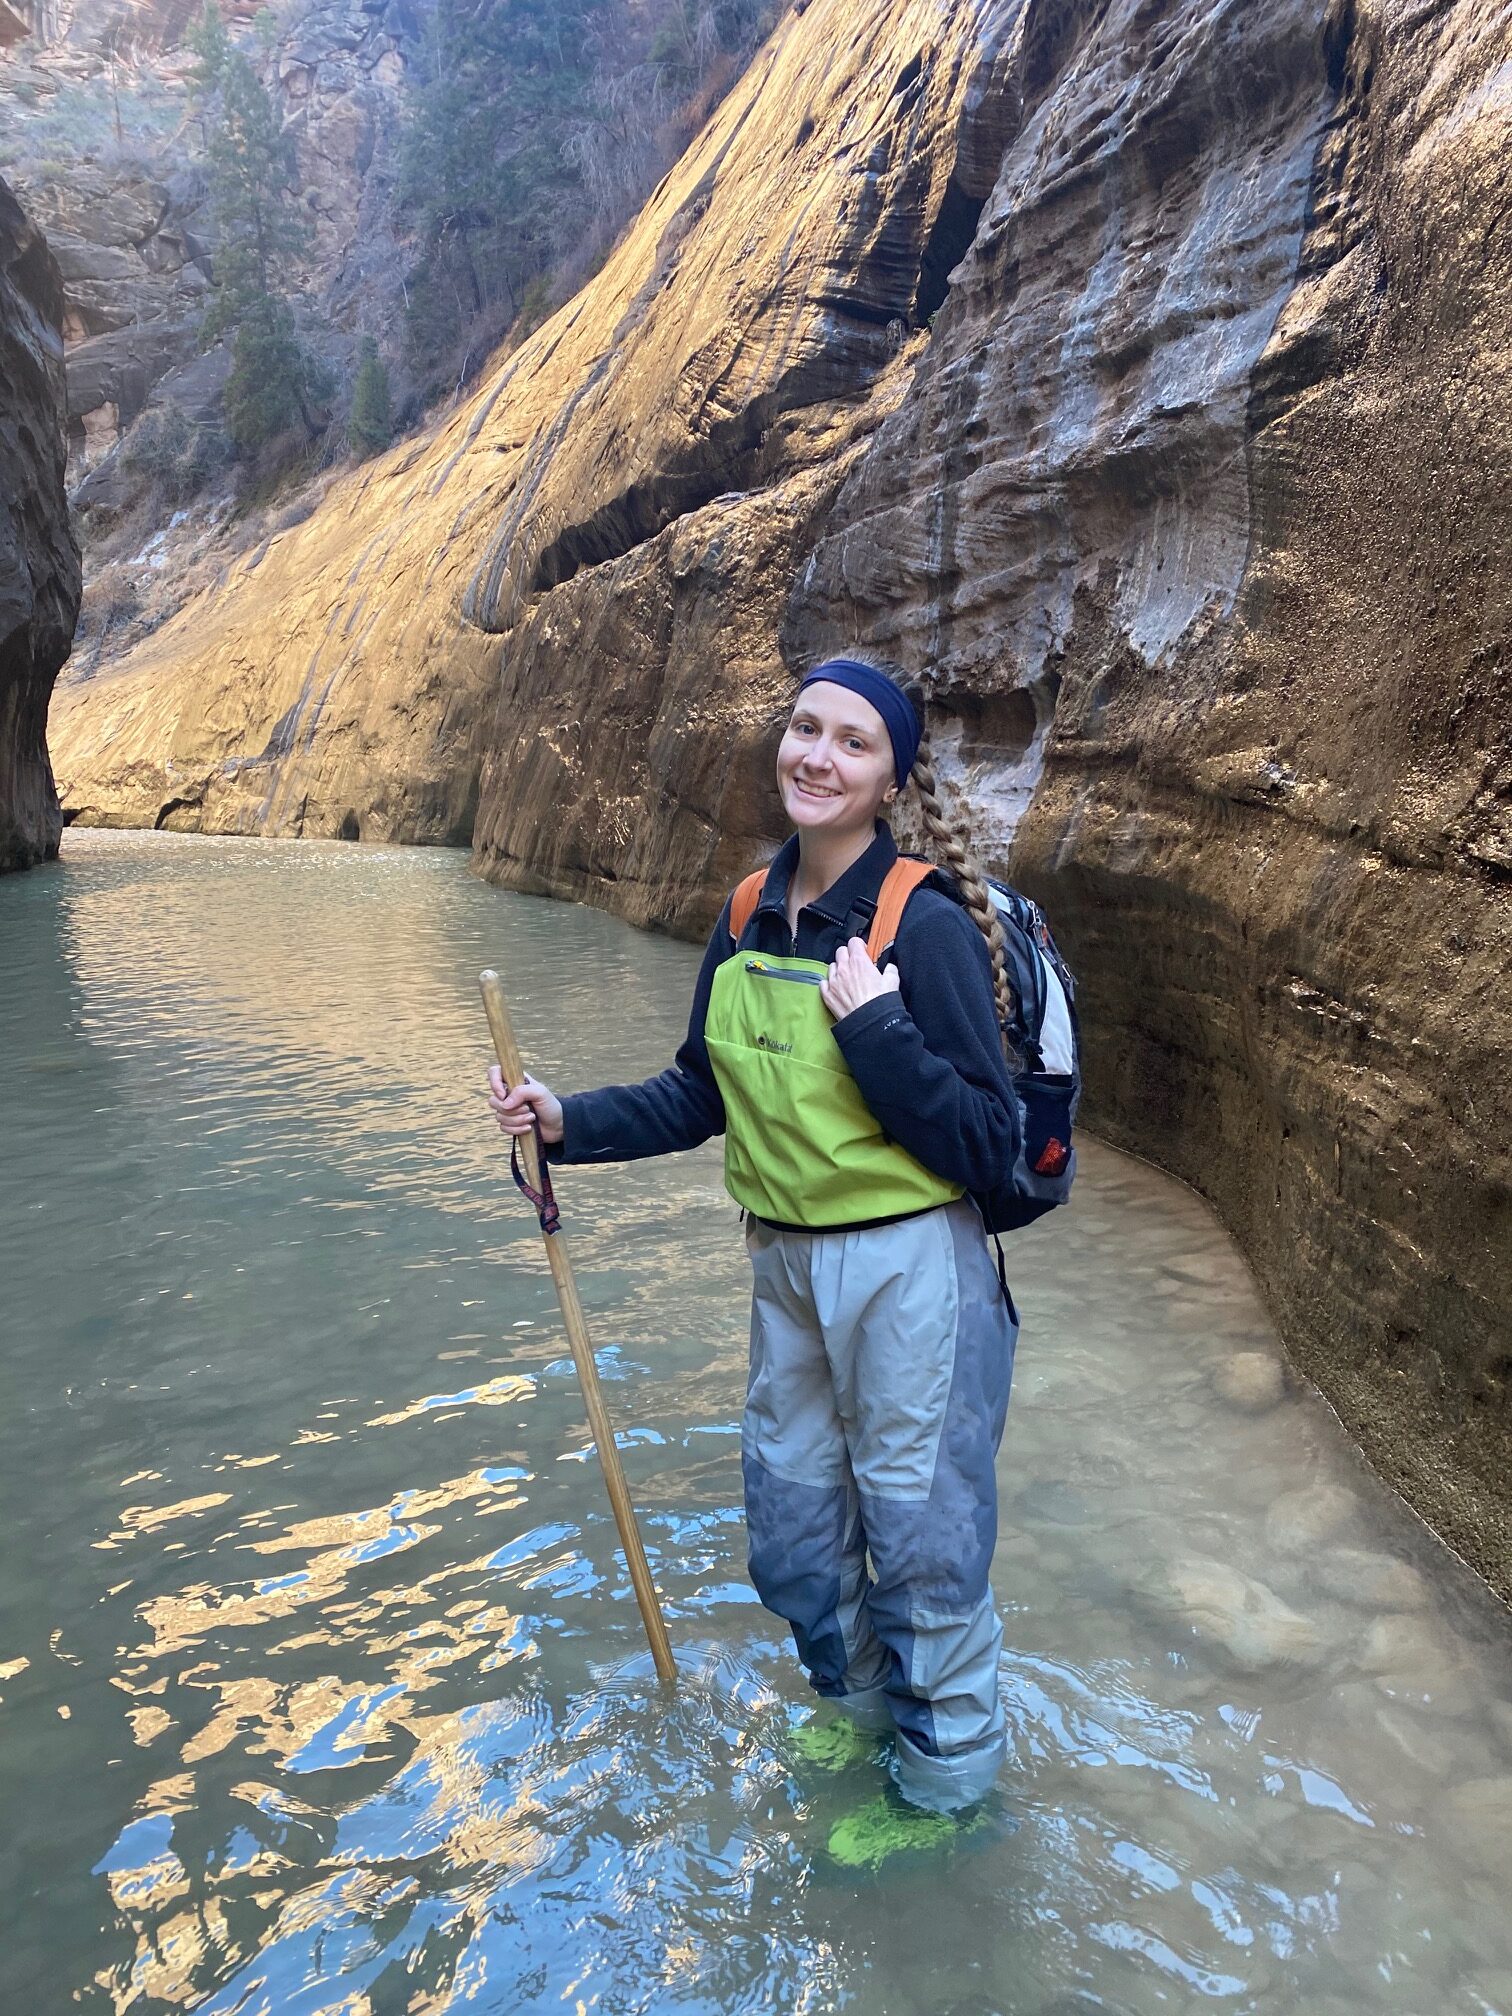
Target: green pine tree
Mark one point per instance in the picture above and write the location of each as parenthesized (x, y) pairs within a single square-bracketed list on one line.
[(211, 45), (275, 381), (371, 426)]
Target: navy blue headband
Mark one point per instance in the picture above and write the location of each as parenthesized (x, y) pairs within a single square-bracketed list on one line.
[(889, 699)]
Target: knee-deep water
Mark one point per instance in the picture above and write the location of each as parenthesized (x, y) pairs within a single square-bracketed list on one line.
[(323, 1686)]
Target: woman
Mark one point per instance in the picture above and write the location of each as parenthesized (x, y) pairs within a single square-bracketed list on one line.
[(861, 1107)]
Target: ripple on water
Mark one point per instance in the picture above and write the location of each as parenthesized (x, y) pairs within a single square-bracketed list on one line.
[(322, 1688)]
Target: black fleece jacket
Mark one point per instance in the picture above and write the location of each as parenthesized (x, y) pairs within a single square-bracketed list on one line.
[(927, 1059)]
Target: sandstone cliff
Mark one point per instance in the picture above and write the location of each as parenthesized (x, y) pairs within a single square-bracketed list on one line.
[(1139, 373), (1284, 845), (39, 561)]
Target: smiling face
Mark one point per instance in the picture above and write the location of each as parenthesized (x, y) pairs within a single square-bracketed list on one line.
[(835, 762)]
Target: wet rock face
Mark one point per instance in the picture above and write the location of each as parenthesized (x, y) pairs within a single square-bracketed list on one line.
[(1279, 844), (1078, 425), (39, 561), (1134, 373)]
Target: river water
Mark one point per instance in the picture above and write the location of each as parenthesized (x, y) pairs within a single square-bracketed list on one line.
[(323, 1690)]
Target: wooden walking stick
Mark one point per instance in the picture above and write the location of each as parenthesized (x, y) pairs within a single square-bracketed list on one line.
[(582, 1350)]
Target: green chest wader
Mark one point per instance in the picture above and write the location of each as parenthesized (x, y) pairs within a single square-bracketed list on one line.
[(801, 1145)]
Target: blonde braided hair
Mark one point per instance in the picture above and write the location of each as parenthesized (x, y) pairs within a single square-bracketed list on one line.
[(963, 864)]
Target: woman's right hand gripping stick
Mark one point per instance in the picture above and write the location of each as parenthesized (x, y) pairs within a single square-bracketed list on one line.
[(529, 1101)]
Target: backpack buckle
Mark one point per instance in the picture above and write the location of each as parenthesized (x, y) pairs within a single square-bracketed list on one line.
[(858, 918)]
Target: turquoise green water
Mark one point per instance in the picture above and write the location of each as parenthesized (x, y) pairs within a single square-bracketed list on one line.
[(323, 1690)]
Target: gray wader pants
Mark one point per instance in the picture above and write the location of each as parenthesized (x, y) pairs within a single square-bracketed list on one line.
[(880, 1367)]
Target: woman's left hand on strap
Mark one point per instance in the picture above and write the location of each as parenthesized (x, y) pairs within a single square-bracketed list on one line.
[(852, 980)]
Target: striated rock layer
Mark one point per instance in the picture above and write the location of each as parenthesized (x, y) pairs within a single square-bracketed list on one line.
[(1282, 846), (1137, 372), (39, 560), (597, 548)]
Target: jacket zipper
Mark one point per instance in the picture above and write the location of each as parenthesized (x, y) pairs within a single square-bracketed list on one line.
[(780, 973)]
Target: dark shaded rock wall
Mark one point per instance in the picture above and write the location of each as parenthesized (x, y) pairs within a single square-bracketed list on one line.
[(39, 559)]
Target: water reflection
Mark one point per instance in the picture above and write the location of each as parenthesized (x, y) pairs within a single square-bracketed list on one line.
[(321, 1684)]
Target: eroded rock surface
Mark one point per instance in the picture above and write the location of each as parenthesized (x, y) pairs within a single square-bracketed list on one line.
[(1196, 516), (39, 560), (134, 279), (1137, 373), (1281, 844)]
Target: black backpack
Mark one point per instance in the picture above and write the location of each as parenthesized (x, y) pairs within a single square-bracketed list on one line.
[(1044, 1036)]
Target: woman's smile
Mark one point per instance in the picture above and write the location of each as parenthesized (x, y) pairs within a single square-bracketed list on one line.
[(807, 794)]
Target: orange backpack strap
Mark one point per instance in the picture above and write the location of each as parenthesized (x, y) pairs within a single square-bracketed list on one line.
[(743, 902), (902, 879)]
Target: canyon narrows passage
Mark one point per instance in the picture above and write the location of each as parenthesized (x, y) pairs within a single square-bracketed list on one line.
[(322, 1683), (1138, 374)]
